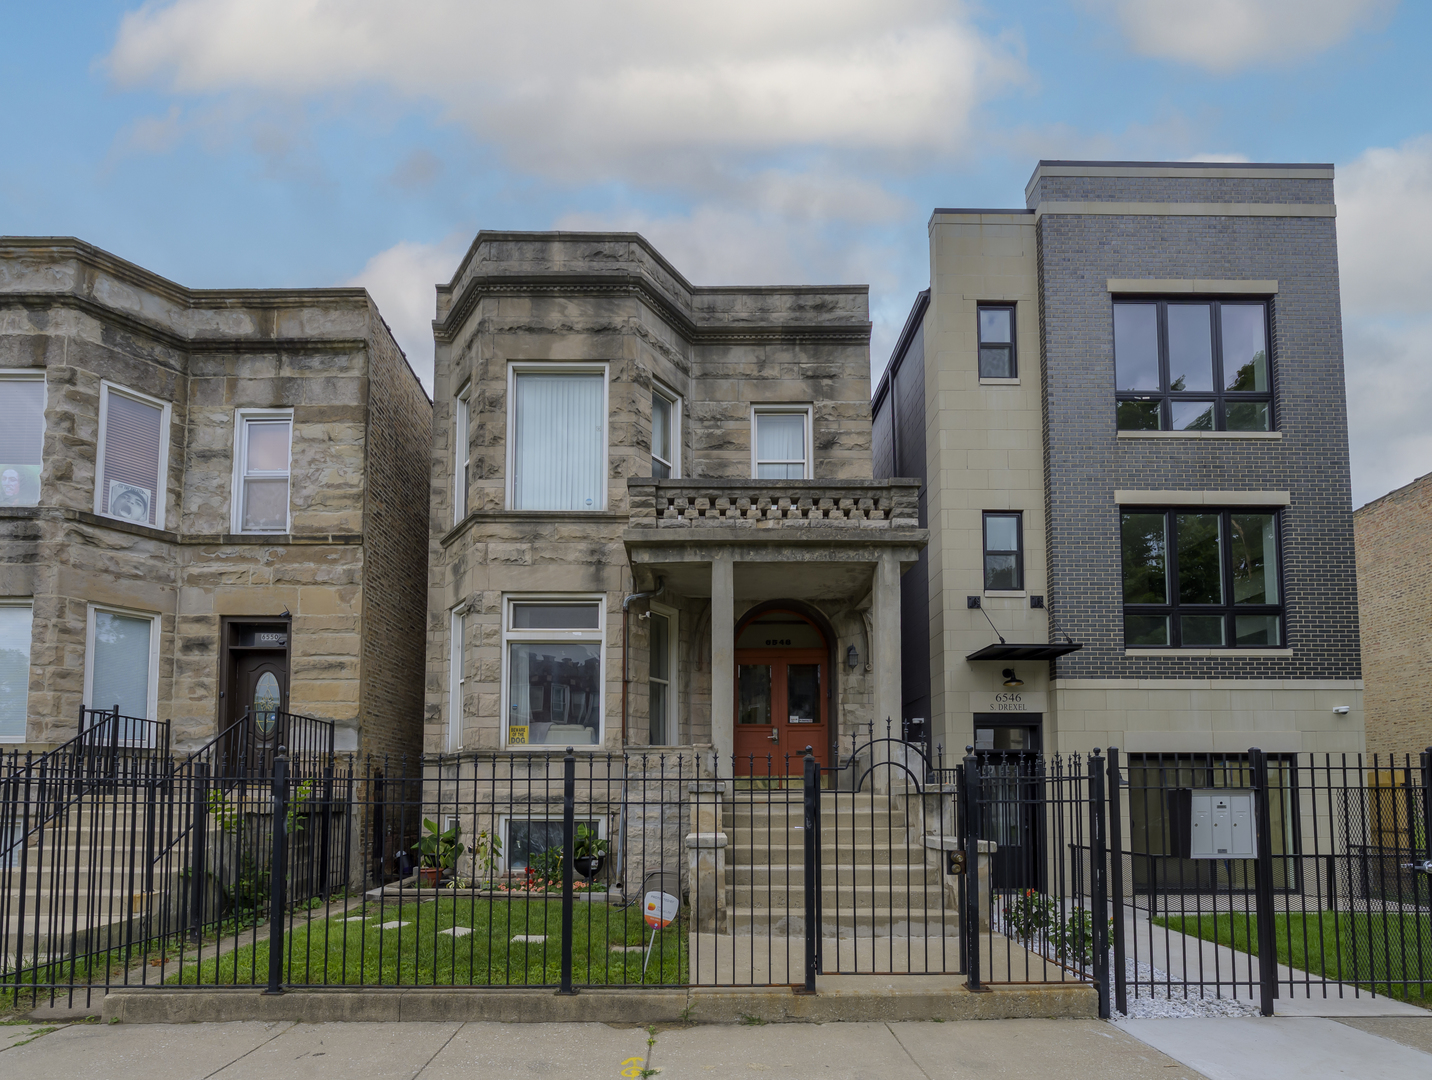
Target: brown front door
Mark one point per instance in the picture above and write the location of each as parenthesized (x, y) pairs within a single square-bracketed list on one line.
[(781, 697)]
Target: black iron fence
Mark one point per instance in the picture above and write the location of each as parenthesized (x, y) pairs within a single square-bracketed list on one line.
[(1137, 875)]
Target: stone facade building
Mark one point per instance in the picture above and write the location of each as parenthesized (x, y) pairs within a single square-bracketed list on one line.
[(653, 518), (1394, 585), (1127, 401), (219, 497)]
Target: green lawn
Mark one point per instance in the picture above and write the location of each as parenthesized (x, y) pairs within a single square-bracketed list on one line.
[(1375, 951), (354, 948)]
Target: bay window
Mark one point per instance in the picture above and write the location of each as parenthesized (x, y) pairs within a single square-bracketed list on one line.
[(22, 436), (661, 676), (15, 630), (1192, 366), (552, 671), (133, 456), (557, 443), (462, 453), (1201, 579), (665, 435)]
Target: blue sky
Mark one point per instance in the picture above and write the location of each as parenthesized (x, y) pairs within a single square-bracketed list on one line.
[(237, 143)]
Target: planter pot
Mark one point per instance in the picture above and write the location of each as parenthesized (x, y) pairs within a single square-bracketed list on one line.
[(428, 876), (589, 866)]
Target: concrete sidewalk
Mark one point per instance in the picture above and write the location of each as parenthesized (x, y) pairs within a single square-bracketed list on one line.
[(970, 1050)]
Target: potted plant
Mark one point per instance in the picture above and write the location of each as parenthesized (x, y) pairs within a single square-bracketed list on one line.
[(589, 852), (438, 852)]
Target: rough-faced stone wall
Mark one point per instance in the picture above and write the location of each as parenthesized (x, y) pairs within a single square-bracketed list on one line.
[(1394, 585)]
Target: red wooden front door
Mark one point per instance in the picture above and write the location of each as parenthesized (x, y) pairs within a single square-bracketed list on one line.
[(781, 697)]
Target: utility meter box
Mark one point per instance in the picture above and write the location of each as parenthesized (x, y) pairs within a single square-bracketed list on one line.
[(1221, 824)]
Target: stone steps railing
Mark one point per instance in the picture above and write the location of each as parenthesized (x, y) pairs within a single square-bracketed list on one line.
[(846, 504)]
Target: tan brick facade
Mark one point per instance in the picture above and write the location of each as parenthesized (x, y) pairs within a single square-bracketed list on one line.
[(1394, 584)]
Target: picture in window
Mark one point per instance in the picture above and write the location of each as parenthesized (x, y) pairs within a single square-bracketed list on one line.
[(130, 469), (22, 438), (554, 673)]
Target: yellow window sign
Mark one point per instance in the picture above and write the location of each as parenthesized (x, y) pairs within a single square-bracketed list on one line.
[(517, 734)]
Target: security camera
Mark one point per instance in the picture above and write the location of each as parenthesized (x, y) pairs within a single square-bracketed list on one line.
[(1341, 710)]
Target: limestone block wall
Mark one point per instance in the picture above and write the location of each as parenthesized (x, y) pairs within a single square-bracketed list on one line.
[(1394, 586)]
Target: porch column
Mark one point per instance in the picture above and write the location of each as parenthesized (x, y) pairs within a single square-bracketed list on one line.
[(723, 658), (885, 657)]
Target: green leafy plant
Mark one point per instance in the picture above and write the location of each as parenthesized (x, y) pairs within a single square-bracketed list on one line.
[(588, 844), (298, 808), (486, 851), (440, 847), (544, 868), (1027, 917), (227, 812)]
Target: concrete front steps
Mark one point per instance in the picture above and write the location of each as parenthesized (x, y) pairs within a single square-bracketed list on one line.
[(877, 876)]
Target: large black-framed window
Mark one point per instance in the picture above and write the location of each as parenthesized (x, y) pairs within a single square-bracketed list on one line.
[(998, 359), (1193, 365), (1003, 550), (1202, 579)]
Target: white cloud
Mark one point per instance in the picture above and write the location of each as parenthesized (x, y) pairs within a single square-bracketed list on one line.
[(402, 282), (1225, 35), (631, 88), (1385, 257)]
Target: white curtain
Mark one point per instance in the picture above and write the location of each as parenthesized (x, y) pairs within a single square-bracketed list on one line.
[(121, 664), (14, 670), (559, 447), (780, 446)]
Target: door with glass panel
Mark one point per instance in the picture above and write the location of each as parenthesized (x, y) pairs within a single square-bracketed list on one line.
[(1012, 791), (780, 710)]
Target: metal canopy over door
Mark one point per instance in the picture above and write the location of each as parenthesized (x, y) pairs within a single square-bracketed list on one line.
[(1009, 753), (782, 694)]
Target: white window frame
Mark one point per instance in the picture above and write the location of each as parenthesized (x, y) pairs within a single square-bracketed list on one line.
[(672, 617), (516, 368), (34, 375), (599, 635), (241, 427), (462, 451), (805, 410), (504, 822), (152, 706), (27, 602), (457, 677), (661, 390), (161, 494)]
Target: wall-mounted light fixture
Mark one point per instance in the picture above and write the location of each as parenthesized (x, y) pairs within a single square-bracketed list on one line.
[(1010, 678), (1342, 710), (852, 658)]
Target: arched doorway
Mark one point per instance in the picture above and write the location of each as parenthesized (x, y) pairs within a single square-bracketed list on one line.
[(783, 690)]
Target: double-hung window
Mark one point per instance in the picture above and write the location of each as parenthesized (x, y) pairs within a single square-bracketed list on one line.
[(781, 448), (261, 475), (122, 662), (15, 630), (661, 676), (1202, 579), (22, 436), (665, 435), (462, 452), (457, 688), (997, 356), (1186, 366), (552, 666), (1003, 551), (133, 456), (557, 441)]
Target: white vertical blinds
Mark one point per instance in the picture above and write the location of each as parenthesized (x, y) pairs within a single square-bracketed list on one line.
[(120, 664), (14, 670), (131, 470), (780, 446), (559, 446), (22, 440)]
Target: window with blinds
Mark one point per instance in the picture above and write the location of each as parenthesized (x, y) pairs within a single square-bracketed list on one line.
[(133, 446), (14, 670), (22, 438), (559, 443), (262, 498)]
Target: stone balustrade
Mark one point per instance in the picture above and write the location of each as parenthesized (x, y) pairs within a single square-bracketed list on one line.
[(774, 504)]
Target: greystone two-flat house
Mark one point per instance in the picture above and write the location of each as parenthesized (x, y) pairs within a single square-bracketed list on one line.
[(208, 499), (1126, 403), (604, 429)]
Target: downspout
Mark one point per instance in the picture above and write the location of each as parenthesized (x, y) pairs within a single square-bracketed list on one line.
[(626, 678)]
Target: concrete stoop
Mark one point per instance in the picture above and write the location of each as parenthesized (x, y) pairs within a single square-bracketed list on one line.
[(839, 998)]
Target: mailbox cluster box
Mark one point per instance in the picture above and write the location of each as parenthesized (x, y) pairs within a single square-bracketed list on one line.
[(1214, 823)]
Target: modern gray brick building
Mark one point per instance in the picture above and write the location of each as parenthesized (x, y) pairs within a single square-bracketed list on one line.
[(1127, 403)]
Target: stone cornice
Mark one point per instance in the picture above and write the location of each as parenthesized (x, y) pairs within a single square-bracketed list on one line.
[(85, 517)]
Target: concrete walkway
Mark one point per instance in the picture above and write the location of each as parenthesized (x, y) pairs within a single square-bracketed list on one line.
[(974, 1050)]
